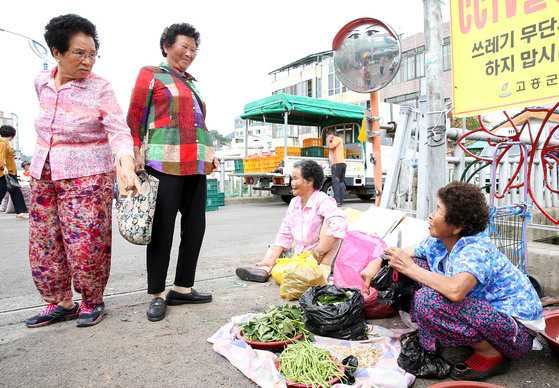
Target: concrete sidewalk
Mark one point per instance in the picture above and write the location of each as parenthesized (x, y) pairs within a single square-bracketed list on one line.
[(126, 350)]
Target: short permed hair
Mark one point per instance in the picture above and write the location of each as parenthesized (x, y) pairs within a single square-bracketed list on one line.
[(61, 28), (466, 207), (311, 170), (7, 131), (169, 35)]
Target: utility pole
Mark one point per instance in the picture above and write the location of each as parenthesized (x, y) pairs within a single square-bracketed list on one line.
[(431, 174)]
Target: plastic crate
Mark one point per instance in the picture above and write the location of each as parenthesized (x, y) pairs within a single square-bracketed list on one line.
[(313, 152), (312, 142), (239, 166), (212, 199), (274, 162), (291, 151), (220, 199), (327, 153), (211, 208), (249, 165), (211, 184)]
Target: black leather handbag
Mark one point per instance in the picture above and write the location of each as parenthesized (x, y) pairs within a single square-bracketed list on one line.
[(11, 183)]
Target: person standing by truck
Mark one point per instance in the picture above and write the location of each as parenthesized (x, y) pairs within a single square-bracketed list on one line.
[(337, 164)]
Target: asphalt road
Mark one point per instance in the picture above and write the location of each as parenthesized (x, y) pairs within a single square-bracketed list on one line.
[(125, 350)]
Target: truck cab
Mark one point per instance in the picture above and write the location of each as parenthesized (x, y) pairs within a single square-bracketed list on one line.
[(345, 119)]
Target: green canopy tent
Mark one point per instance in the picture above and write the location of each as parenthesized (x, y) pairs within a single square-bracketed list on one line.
[(300, 111)]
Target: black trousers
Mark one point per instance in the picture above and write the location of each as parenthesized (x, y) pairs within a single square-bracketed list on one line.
[(338, 179), (16, 195), (187, 195)]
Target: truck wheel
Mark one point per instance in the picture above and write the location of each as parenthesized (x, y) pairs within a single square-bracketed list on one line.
[(365, 197), (286, 198), (328, 189)]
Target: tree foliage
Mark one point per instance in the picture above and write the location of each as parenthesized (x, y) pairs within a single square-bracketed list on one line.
[(219, 137)]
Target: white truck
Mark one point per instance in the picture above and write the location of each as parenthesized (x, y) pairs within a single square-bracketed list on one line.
[(322, 114)]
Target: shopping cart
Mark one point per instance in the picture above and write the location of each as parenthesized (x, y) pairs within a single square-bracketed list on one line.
[(508, 224)]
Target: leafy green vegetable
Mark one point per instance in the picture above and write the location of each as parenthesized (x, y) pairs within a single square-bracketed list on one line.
[(321, 300), (274, 324)]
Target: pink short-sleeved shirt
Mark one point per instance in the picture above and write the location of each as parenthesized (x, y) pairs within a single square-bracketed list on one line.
[(301, 225), (77, 126)]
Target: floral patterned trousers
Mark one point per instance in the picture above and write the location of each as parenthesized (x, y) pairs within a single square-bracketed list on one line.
[(70, 235), (469, 322)]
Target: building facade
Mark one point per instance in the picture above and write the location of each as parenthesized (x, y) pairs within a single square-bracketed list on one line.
[(314, 76)]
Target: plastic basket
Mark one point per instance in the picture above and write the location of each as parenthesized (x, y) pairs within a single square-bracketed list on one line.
[(291, 151), (220, 199), (312, 142), (239, 166), (211, 184), (313, 152), (212, 199), (210, 208)]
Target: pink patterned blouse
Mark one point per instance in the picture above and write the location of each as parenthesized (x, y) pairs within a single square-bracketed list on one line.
[(302, 225), (76, 127)]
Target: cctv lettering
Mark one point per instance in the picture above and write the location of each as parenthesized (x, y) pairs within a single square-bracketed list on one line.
[(479, 13), (536, 83)]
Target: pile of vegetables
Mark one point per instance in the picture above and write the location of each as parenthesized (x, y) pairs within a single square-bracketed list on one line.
[(274, 324), (321, 300), (304, 363)]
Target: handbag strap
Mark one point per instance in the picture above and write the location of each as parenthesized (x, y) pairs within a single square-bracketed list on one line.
[(179, 76)]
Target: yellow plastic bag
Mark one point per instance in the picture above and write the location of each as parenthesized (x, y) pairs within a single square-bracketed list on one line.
[(298, 275), (279, 268)]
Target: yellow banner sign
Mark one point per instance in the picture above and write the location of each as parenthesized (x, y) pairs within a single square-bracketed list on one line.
[(505, 54)]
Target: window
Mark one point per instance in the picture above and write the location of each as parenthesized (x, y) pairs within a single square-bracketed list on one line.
[(410, 64), (446, 57), (420, 65), (334, 84)]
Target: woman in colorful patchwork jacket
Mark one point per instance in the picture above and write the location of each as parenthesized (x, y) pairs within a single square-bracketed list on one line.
[(472, 294), (166, 118)]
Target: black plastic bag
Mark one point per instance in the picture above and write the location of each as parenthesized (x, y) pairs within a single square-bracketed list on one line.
[(345, 320), (416, 360), (351, 363), (394, 289)]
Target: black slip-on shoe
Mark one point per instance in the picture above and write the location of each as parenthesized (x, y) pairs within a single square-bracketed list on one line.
[(250, 274), (193, 297), (156, 309)]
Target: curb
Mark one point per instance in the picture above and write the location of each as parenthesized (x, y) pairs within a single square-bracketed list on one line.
[(244, 200)]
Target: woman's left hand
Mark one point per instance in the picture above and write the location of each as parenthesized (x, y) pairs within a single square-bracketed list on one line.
[(399, 259), (215, 163), (128, 175)]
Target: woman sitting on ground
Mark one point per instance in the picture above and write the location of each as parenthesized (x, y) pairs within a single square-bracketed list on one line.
[(472, 295), (313, 222)]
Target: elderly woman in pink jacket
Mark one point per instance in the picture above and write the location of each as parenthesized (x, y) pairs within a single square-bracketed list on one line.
[(72, 174)]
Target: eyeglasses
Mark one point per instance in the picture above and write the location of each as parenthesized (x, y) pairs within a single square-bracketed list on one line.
[(84, 55)]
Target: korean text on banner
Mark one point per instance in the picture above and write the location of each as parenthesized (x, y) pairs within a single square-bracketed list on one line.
[(504, 54)]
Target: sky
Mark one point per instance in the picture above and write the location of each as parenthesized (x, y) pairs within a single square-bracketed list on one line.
[(241, 42)]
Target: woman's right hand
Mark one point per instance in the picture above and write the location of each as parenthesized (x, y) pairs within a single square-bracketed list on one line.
[(6, 170), (138, 159), (370, 272)]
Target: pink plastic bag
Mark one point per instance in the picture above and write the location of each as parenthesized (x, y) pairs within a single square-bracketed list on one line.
[(357, 250)]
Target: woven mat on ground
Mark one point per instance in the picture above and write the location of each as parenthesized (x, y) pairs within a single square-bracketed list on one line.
[(258, 365)]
